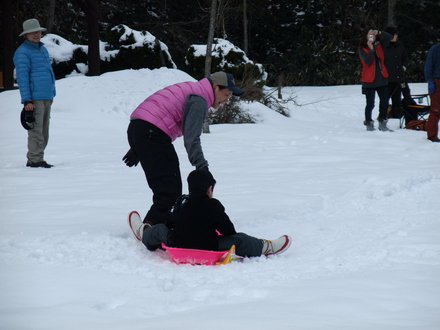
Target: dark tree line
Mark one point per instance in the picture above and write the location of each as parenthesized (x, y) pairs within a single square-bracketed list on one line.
[(299, 42)]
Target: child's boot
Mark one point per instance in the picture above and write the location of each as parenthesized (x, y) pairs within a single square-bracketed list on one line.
[(276, 246), (136, 225)]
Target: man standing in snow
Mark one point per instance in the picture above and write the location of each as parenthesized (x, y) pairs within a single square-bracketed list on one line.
[(396, 62), (432, 75), (36, 82), (177, 110)]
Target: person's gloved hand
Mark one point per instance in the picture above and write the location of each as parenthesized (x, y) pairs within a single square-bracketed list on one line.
[(130, 159), (431, 87)]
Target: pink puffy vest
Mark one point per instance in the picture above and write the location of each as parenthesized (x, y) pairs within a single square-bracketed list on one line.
[(164, 109)]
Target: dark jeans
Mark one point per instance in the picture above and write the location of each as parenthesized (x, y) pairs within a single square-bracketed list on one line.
[(370, 94), (245, 245), (395, 91), (160, 163)]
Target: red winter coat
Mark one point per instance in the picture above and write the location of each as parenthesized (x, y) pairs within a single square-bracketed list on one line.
[(369, 70)]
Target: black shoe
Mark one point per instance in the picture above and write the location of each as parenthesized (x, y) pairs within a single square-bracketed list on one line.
[(434, 140), (39, 164)]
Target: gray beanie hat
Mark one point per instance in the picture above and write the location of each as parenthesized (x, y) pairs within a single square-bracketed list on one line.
[(31, 25)]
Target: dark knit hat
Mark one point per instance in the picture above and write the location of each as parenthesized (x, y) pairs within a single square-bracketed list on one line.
[(200, 181), (391, 30)]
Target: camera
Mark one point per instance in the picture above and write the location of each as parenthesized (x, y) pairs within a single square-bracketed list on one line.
[(371, 37)]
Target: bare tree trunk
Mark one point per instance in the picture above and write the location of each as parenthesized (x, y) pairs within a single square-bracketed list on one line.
[(7, 45), (245, 30), (50, 16), (159, 49), (309, 5), (93, 17), (91, 9), (391, 11), (208, 58), (280, 85)]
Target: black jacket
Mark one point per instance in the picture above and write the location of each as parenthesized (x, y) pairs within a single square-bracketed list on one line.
[(396, 58), (195, 219)]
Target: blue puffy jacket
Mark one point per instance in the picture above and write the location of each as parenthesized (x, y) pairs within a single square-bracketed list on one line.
[(35, 76)]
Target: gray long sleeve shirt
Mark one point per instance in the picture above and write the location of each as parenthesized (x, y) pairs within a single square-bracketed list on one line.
[(194, 115)]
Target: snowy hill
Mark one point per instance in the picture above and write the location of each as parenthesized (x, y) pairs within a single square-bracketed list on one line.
[(362, 209)]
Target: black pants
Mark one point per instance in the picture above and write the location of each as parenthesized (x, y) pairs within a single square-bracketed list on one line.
[(395, 91), (160, 164), (370, 94)]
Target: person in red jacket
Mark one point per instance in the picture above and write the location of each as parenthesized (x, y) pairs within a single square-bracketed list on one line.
[(374, 75), (199, 221)]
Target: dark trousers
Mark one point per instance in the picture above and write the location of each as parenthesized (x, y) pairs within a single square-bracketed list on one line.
[(245, 245), (395, 91), (370, 94), (160, 163)]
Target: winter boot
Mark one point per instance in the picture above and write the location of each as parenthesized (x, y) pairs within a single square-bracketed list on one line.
[(39, 164), (370, 125), (276, 246), (383, 125), (136, 225)]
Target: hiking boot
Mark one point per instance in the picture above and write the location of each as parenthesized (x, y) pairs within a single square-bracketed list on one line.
[(276, 246), (39, 164), (136, 225), (370, 125), (383, 125), (434, 140)]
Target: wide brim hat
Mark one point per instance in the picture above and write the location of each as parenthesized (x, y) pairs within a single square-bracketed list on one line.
[(227, 80), (31, 25)]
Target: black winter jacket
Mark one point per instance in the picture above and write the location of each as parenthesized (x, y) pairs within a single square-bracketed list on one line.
[(396, 58), (195, 219)]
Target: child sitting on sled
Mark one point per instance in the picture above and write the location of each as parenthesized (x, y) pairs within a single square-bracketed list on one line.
[(199, 221)]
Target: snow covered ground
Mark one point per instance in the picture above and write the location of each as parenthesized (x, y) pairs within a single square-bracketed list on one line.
[(362, 208)]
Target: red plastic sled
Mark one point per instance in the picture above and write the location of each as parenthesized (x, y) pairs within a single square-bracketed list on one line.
[(198, 257)]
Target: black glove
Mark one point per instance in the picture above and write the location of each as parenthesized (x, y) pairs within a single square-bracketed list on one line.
[(130, 159)]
